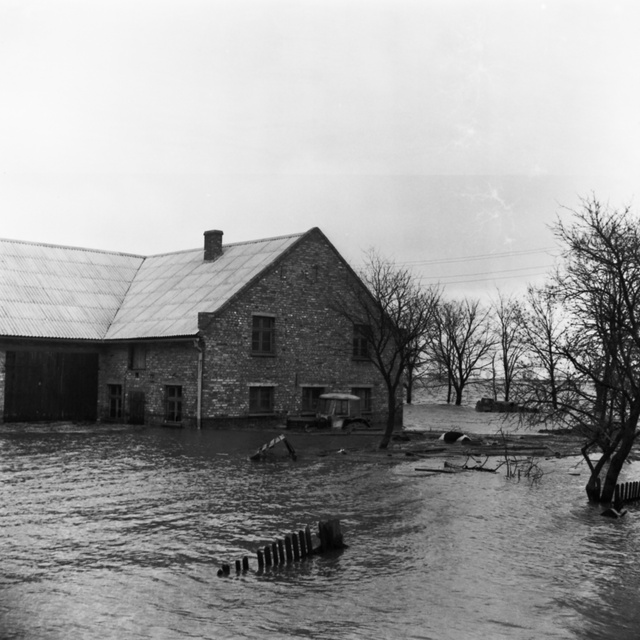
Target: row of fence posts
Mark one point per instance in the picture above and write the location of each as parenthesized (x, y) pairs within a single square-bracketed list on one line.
[(626, 492), (292, 548)]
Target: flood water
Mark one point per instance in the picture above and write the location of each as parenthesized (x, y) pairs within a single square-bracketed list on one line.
[(119, 533)]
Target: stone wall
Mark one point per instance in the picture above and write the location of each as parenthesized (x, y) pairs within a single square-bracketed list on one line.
[(313, 343), (166, 364)]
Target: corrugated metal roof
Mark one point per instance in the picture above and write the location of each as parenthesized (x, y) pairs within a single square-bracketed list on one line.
[(170, 290), (49, 291)]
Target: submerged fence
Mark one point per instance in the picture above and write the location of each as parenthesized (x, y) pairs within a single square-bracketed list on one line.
[(626, 492), (292, 548)]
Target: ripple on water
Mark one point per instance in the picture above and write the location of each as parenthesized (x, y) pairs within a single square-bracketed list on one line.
[(120, 534)]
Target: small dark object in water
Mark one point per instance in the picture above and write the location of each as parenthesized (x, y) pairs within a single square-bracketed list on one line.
[(454, 436), (613, 513)]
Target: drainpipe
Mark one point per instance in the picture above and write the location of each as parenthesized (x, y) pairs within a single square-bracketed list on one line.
[(198, 346)]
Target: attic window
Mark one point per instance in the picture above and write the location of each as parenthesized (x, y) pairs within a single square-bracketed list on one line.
[(361, 337), (137, 357)]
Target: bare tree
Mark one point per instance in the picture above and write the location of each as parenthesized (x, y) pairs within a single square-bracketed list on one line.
[(598, 287), (543, 324), (510, 339), (390, 316), (417, 363), (461, 342)]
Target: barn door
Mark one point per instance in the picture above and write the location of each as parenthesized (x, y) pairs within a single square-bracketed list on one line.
[(50, 385)]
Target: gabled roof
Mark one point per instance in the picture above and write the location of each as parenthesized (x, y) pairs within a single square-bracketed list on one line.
[(170, 290), (49, 291)]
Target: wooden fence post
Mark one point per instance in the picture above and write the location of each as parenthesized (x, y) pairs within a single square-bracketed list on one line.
[(308, 541), (281, 551), (288, 548), (330, 535), (303, 544)]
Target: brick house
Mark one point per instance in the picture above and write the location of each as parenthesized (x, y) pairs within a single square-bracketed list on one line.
[(237, 334)]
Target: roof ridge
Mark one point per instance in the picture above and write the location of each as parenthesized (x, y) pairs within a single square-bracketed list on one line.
[(153, 255), (71, 248), (229, 244), (282, 237)]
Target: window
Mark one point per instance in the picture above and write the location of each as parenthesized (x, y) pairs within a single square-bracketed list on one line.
[(262, 336), (310, 397), (364, 393), (115, 401), (361, 337), (137, 356), (173, 403), (260, 399)]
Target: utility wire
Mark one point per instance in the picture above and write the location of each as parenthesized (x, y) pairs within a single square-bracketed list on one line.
[(493, 277), (484, 256), (470, 258), (493, 272)]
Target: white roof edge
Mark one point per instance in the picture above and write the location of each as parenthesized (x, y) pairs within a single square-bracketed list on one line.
[(231, 244), (154, 255), (62, 246)]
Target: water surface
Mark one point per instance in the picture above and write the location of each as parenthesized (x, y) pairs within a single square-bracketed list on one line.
[(119, 533)]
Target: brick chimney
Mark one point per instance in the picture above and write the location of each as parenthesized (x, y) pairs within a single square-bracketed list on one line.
[(212, 245)]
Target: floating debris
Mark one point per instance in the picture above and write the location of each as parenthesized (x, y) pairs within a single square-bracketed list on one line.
[(260, 454), (454, 436)]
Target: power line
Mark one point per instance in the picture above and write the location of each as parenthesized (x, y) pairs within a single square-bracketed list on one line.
[(470, 258), (493, 272), (530, 275), (484, 256)]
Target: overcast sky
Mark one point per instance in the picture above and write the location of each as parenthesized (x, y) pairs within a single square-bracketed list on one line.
[(432, 130)]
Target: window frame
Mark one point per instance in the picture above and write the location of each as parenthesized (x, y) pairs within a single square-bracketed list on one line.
[(365, 394), (263, 330), (173, 403), (309, 405), (116, 401), (360, 344), (262, 399), (137, 357)]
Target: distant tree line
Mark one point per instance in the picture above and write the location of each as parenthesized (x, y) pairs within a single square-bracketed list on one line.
[(569, 350)]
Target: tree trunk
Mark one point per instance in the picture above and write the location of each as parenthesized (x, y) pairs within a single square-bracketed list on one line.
[(594, 483), (391, 421), (409, 390), (615, 466), (593, 488), (554, 388), (458, 397), (494, 379)]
